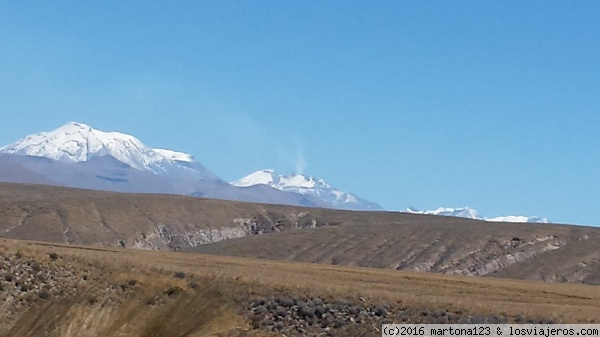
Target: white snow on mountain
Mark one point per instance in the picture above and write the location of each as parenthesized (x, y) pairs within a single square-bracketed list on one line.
[(78, 142), (517, 218), (174, 155), (264, 177), (302, 184), (463, 212), (469, 213)]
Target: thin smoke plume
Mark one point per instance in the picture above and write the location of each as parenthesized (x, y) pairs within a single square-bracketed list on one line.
[(300, 160)]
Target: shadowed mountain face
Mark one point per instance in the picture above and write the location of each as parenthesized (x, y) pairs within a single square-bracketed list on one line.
[(375, 239)]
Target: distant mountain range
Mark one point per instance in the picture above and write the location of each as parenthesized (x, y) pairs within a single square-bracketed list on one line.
[(77, 155), (80, 143), (469, 213), (301, 184)]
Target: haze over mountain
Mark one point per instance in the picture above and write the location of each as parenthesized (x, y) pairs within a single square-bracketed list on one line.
[(305, 185)]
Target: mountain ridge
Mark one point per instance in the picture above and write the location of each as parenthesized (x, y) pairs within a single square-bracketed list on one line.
[(79, 156), (307, 185), (76, 142), (83, 157), (469, 213)]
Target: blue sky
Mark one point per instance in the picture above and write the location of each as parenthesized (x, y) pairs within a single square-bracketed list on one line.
[(491, 105)]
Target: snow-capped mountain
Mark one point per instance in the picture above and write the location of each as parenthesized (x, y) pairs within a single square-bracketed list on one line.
[(469, 213), (77, 155), (463, 212), (518, 218), (77, 142), (301, 184)]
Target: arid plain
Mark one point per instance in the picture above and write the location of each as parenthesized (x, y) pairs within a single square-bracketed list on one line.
[(89, 263)]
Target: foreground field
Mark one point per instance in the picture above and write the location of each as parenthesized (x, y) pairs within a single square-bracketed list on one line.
[(90, 291)]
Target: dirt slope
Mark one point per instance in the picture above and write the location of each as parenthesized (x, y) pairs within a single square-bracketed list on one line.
[(371, 239)]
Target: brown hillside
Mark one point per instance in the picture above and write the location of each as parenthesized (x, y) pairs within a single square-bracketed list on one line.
[(371, 239), (540, 252)]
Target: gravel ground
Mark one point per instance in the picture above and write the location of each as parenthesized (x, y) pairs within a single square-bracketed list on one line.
[(25, 281), (293, 316)]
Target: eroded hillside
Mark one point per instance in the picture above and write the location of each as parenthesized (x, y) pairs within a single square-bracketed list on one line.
[(371, 239)]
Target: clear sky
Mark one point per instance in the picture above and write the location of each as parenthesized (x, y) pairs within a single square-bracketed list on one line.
[(493, 105)]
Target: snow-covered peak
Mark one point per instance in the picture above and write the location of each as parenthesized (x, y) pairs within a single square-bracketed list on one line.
[(78, 142), (302, 184), (463, 212), (302, 181), (174, 155), (518, 218), (262, 177), (470, 213)]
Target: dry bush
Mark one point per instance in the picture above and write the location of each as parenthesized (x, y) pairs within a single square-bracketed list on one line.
[(196, 313)]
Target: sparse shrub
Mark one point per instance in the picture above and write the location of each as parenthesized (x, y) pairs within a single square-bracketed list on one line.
[(354, 310), (173, 291), (53, 256), (9, 277), (44, 295), (132, 283), (179, 274), (260, 309), (495, 319), (319, 310), (281, 312), (272, 305), (286, 302), (380, 311), (306, 311)]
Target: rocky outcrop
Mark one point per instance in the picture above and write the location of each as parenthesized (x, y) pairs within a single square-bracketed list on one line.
[(177, 237)]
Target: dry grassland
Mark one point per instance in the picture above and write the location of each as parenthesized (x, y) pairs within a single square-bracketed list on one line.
[(222, 284)]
